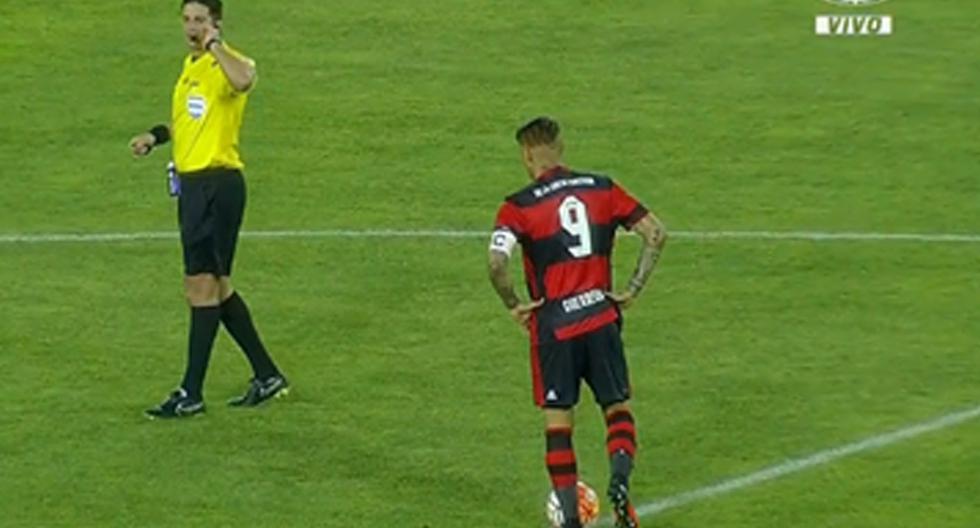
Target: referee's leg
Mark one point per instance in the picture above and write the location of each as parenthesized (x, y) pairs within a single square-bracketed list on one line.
[(267, 380), (201, 287), (199, 227), (201, 290)]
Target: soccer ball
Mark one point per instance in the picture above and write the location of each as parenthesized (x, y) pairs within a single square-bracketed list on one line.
[(588, 507)]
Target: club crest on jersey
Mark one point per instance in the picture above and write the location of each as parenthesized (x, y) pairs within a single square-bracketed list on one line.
[(197, 106)]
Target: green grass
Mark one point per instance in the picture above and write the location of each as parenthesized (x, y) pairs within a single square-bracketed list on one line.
[(412, 404)]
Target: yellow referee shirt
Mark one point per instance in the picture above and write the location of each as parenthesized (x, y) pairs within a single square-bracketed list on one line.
[(206, 117)]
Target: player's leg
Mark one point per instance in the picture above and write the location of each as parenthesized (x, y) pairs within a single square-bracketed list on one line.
[(557, 391), (201, 289), (267, 381), (608, 377), (621, 447), (561, 462)]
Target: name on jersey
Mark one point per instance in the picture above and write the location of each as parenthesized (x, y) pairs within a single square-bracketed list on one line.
[(583, 300), (197, 106), (558, 185)]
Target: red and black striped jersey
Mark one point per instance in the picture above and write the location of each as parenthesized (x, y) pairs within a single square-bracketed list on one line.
[(566, 223)]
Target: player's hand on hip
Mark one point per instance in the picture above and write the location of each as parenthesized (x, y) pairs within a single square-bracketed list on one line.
[(142, 144), (624, 300), (522, 312)]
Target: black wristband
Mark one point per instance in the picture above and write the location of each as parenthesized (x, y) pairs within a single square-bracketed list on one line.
[(161, 134), (213, 40)]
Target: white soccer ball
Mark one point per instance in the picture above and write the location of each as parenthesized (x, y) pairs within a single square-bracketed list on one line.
[(588, 507)]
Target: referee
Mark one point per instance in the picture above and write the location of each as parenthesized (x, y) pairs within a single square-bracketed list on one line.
[(208, 102)]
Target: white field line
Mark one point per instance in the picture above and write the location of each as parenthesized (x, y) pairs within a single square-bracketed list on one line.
[(796, 465), (816, 236), (759, 477)]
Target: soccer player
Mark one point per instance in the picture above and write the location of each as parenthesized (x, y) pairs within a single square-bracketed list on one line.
[(208, 102), (565, 222)]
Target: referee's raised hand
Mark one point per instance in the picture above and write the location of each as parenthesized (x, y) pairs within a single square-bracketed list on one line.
[(142, 144), (210, 35)]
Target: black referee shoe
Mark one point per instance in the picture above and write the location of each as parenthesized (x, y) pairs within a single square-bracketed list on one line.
[(178, 405), (260, 390)]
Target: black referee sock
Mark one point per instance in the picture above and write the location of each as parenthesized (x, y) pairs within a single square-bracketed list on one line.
[(204, 326), (238, 321)]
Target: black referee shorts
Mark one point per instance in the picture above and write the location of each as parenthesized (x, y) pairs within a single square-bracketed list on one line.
[(209, 210), (596, 357)]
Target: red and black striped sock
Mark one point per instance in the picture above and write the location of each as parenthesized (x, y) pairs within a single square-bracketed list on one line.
[(621, 443), (563, 469)]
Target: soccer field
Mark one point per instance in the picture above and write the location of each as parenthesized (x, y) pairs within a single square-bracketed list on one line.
[(411, 403)]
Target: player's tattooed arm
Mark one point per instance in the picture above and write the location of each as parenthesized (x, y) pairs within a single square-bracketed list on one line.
[(500, 278), (654, 236), (651, 230)]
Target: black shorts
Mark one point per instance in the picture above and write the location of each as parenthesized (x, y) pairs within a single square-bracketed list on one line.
[(209, 210), (596, 357)]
